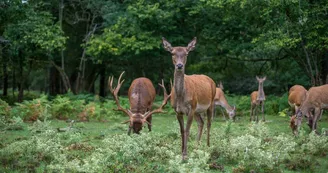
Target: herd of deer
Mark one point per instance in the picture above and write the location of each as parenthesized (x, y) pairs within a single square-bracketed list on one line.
[(194, 95)]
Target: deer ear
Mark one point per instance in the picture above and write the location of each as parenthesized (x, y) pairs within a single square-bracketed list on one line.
[(257, 78), (167, 46), (264, 78), (192, 44)]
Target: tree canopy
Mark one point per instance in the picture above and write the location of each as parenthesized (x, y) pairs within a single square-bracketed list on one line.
[(56, 46)]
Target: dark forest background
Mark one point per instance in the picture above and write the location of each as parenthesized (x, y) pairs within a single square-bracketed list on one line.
[(56, 46)]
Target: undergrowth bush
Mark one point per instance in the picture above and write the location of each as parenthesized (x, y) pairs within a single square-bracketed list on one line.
[(255, 150), (31, 110), (64, 108)]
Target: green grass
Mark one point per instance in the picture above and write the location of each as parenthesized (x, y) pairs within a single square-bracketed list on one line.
[(95, 135)]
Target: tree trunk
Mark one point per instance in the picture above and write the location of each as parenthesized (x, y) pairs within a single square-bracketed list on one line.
[(324, 71), (5, 72), (102, 81), (20, 84), (53, 81), (14, 80)]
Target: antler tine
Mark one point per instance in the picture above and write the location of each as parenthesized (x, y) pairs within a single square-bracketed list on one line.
[(114, 92), (165, 99)]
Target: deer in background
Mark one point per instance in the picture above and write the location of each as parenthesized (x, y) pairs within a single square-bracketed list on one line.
[(316, 99), (141, 97), (257, 99), (220, 100), (191, 95)]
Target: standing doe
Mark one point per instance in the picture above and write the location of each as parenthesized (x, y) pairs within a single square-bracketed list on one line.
[(191, 94), (141, 97), (258, 98)]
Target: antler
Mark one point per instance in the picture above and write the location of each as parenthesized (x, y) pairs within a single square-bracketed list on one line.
[(114, 92), (160, 109)]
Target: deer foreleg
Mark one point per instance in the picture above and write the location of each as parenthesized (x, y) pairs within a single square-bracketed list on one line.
[(251, 116), (224, 118), (262, 109), (187, 131), (200, 123), (209, 114), (129, 130), (182, 131), (317, 112)]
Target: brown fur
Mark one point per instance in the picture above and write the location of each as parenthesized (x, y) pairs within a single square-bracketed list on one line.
[(257, 99), (141, 97), (191, 95), (220, 100), (316, 100), (196, 89), (296, 96), (145, 90)]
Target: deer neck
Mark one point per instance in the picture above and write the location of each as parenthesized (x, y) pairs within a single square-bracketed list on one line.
[(226, 105), (179, 84), (261, 95)]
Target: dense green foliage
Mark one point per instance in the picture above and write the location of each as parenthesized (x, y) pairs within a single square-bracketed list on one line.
[(102, 145), (56, 46)]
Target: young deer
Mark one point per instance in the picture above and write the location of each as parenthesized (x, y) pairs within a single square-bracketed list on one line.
[(220, 100), (191, 94), (141, 97), (258, 98), (316, 99)]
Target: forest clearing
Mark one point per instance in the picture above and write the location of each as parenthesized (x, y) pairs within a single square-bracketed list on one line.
[(164, 86)]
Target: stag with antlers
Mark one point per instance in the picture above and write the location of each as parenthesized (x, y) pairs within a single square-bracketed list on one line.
[(141, 97)]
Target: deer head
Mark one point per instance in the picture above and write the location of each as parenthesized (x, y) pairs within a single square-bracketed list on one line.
[(260, 95), (179, 54), (232, 113)]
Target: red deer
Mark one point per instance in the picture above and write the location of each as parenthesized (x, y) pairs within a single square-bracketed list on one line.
[(191, 95), (296, 96), (220, 100), (258, 98), (141, 97), (316, 100)]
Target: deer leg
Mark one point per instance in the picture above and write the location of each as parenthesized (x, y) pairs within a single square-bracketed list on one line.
[(209, 114), (182, 131), (187, 131), (129, 130), (251, 116), (200, 123), (262, 109), (149, 120), (321, 111), (224, 117), (256, 116), (317, 113), (214, 112)]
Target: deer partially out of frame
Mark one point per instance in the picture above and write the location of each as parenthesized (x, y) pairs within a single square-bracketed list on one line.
[(258, 98), (220, 100), (191, 94), (141, 97), (316, 99)]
